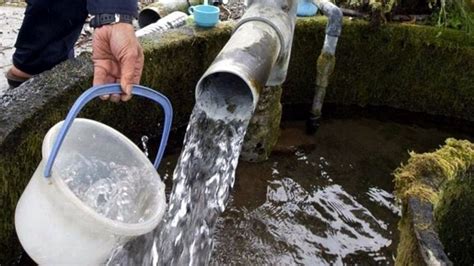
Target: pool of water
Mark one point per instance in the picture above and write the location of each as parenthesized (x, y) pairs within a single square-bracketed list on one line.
[(325, 199)]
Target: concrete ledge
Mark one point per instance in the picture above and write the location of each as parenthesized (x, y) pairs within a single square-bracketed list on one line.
[(434, 219)]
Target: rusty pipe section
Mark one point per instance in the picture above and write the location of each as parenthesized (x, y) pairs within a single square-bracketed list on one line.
[(256, 55)]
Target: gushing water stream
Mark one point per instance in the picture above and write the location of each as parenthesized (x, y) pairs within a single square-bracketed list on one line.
[(202, 181)]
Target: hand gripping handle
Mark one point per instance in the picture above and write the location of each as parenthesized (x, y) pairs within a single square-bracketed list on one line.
[(97, 91)]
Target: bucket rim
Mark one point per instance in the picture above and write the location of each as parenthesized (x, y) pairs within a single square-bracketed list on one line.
[(113, 226)]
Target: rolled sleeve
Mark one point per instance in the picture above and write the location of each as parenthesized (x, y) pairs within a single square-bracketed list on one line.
[(127, 7)]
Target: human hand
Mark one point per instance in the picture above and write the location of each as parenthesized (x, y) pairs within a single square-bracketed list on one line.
[(118, 57)]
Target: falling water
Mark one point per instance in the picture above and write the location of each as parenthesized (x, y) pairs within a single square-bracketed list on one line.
[(144, 145), (202, 182)]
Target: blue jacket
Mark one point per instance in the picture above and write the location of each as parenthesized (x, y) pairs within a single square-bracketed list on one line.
[(128, 7)]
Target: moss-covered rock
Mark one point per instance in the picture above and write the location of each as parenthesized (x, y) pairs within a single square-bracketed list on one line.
[(419, 242), (436, 182), (424, 174)]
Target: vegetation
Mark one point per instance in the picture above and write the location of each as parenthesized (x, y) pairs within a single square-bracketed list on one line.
[(425, 173), (443, 179), (455, 14), (407, 250)]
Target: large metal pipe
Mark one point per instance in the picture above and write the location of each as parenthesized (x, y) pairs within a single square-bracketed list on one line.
[(256, 55)]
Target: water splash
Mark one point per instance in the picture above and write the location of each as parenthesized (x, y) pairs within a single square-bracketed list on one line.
[(119, 192), (144, 145)]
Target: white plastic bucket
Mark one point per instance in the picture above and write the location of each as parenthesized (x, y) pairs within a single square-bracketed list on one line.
[(56, 227)]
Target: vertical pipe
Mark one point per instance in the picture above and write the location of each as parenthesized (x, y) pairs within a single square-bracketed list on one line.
[(326, 61)]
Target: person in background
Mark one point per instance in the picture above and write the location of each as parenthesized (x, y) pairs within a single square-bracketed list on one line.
[(50, 29)]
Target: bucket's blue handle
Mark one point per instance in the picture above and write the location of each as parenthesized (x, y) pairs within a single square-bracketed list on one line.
[(105, 90)]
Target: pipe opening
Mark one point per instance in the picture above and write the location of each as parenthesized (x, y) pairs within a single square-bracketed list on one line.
[(225, 96), (147, 17)]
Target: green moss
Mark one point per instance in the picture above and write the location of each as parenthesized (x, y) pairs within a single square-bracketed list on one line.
[(407, 250), (454, 215), (424, 174), (264, 127), (436, 178)]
